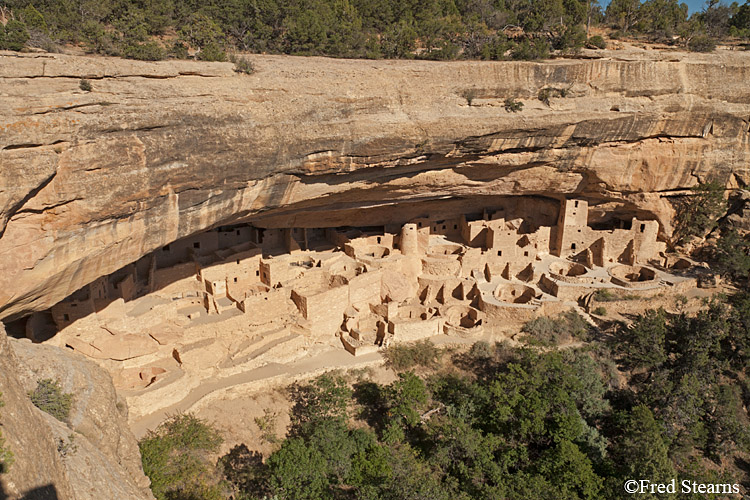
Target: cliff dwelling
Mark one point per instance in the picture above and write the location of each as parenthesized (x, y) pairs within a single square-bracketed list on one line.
[(179, 237), (238, 297)]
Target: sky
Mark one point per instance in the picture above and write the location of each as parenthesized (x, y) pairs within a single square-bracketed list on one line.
[(693, 5)]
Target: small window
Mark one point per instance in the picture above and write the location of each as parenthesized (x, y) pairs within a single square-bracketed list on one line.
[(165, 248), (379, 238), (73, 305), (643, 227), (66, 317), (419, 224), (238, 232), (579, 230), (235, 280), (455, 226), (576, 204), (526, 254), (499, 253), (443, 226), (257, 273), (238, 261), (197, 244), (573, 246)]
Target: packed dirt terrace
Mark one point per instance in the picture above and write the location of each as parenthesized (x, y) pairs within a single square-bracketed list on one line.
[(239, 305)]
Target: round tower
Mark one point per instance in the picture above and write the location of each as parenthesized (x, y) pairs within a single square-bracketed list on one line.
[(409, 240)]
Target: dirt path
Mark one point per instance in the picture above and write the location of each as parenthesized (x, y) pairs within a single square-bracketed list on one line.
[(332, 359)]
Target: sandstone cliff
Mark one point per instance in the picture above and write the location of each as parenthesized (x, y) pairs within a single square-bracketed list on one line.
[(91, 181), (93, 457)]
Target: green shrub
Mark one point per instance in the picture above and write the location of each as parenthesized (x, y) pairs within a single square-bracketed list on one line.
[(701, 43), (469, 95), (732, 254), (513, 106), (6, 456), (642, 344), (49, 397), (597, 42), (481, 350), (85, 85), (147, 51), (697, 214), (604, 295), (405, 356), (242, 64), (33, 19), (175, 458), (570, 40), (546, 93), (551, 331), (325, 397), (529, 51), (179, 50), (600, 311), (212, 52), (13, 36)]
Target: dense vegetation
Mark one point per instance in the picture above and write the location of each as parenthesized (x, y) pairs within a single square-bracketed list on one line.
[(664, 397), (432, 29), (174, 458)]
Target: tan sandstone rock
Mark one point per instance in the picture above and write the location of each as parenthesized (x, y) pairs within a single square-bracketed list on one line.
[(91, 181)]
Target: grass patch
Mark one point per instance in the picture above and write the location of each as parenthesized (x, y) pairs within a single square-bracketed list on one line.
[(85, 85), (405, 356), (600, 311)]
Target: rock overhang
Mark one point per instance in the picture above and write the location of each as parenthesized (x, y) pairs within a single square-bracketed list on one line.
[(91, 181)]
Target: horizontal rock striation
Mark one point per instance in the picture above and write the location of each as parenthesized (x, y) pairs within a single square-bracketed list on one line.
[(91, 181)]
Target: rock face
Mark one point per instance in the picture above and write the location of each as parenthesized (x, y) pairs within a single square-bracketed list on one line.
[(94, 456), (91, 181)]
